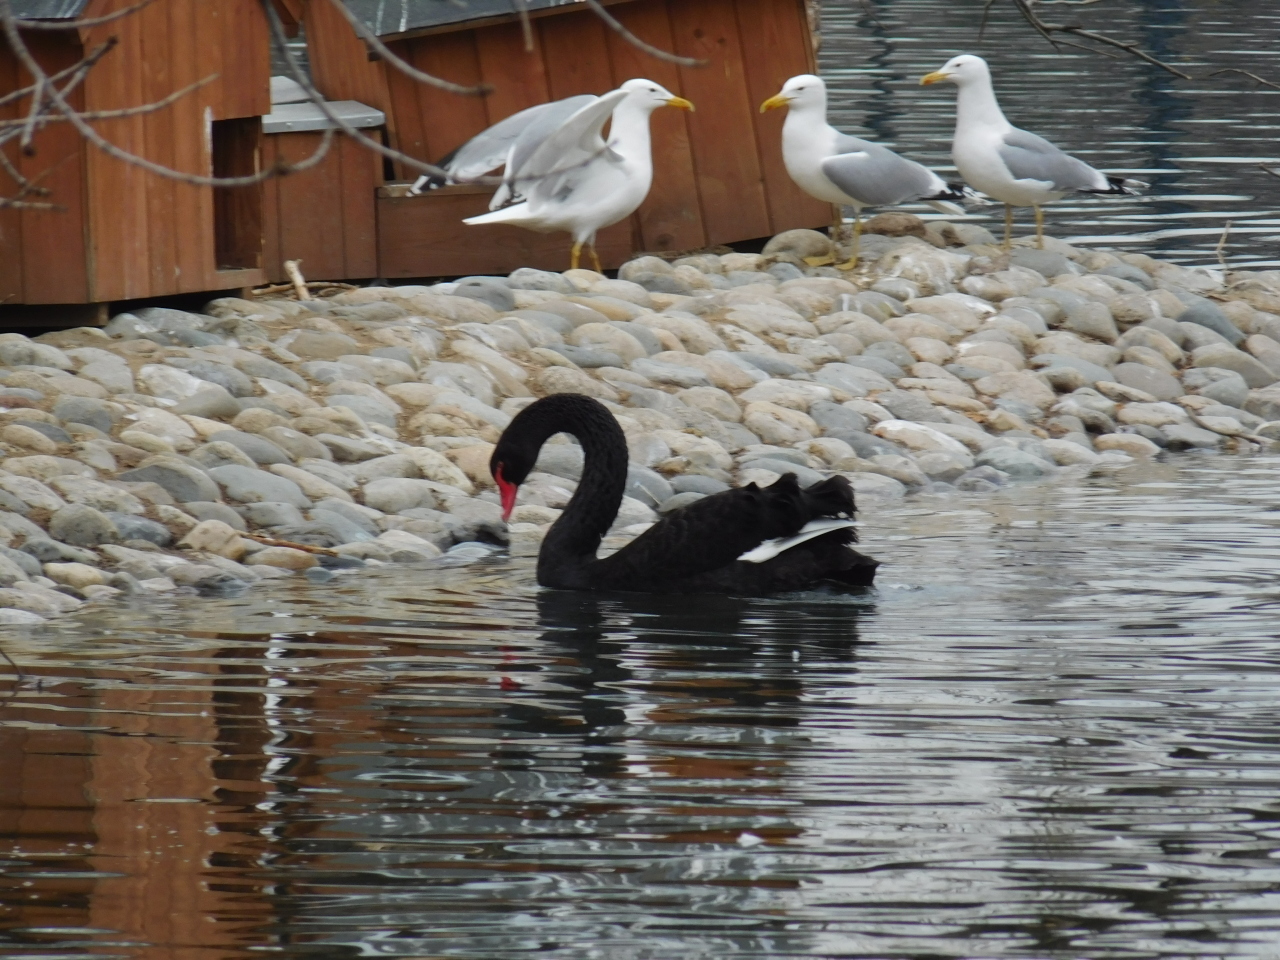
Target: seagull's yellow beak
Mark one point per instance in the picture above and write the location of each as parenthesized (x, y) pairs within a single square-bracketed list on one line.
[(680, 103), (935, 77), (777, 100)]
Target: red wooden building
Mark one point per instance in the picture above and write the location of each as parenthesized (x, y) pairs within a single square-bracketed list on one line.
[(123, 233)]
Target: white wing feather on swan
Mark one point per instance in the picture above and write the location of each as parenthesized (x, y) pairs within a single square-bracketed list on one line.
[(814, 528)]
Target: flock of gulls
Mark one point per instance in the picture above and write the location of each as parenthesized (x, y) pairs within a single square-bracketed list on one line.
[(561, 174)]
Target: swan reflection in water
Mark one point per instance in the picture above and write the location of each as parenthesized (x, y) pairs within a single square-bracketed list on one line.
[(625, 661)]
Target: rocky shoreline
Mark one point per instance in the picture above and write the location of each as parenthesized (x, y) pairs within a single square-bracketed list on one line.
[(175, 452)]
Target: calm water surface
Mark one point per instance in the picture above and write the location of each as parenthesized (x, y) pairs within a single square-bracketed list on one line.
[(1050, 732), (1198, 142)]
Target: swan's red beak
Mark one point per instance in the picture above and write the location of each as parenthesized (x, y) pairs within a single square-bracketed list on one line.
[(508, 491)]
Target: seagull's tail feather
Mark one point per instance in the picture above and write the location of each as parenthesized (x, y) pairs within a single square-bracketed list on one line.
[(430, 181), (517, 213), (948, 200), (1118, 186), (427, 182)]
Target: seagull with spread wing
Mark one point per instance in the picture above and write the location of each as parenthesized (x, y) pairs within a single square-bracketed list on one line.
[(507, 143), (573, 180)]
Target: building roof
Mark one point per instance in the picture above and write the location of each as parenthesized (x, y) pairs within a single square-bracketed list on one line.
[(48, 9), (393, 17)]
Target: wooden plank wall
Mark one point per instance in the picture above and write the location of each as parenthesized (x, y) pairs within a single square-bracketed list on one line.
[(42, 252), (323, 217), (148, 235), (718, 174)]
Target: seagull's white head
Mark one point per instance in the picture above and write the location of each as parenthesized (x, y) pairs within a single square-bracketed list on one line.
[(652, 95), (805, 90), (962, 70)]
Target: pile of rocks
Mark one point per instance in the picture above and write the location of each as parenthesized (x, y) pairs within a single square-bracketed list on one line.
[(175, 451)]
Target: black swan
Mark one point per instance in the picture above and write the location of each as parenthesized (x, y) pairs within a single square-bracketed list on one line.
[(749, 540)]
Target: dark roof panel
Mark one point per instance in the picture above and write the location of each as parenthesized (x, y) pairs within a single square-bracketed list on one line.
[(390, 17), (48, 9)]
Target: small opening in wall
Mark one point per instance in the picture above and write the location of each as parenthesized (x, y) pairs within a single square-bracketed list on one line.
[(237, 211)]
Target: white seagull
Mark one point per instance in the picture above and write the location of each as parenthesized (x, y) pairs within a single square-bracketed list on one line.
[(833, 166), (508, 142), (1013, 166), (575, 181)]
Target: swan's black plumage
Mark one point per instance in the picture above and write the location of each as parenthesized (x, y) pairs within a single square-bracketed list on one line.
[(690, 550)]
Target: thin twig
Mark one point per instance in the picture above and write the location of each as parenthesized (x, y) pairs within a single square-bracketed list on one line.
[(1221, 248), (1266, 169), (19, 676), (371, 38), (28, 62), (8, 203), (526, 24), (91, 59), (29, 124), (986, 12), (1251, 76), (326, 110), (16, 669), (123, 111), (1047, 30), (304, 547), (1041, 27), (613, 24)]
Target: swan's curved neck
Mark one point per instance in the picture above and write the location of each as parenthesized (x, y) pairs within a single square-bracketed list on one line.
[(976, 106), (573, 539)]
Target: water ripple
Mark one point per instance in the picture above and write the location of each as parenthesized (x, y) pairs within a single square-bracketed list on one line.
[(1049, 732)]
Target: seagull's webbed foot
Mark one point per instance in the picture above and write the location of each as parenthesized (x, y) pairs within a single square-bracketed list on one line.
[(820, 261)]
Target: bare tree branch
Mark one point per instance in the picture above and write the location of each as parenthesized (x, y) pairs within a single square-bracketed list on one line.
[(368, 36), (301, 78), (613, 24), (9, 25), (1047, 30), (123, 111), (77, 71), (1251, 76), (1266, 169)]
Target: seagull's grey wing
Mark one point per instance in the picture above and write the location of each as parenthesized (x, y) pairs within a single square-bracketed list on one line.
[(1030, 157), (549, 118), (489, 148), (547, 122), (875, 175), (566, 155)]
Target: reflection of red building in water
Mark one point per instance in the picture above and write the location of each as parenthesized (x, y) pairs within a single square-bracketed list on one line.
[(146, 803), (204, 802)]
